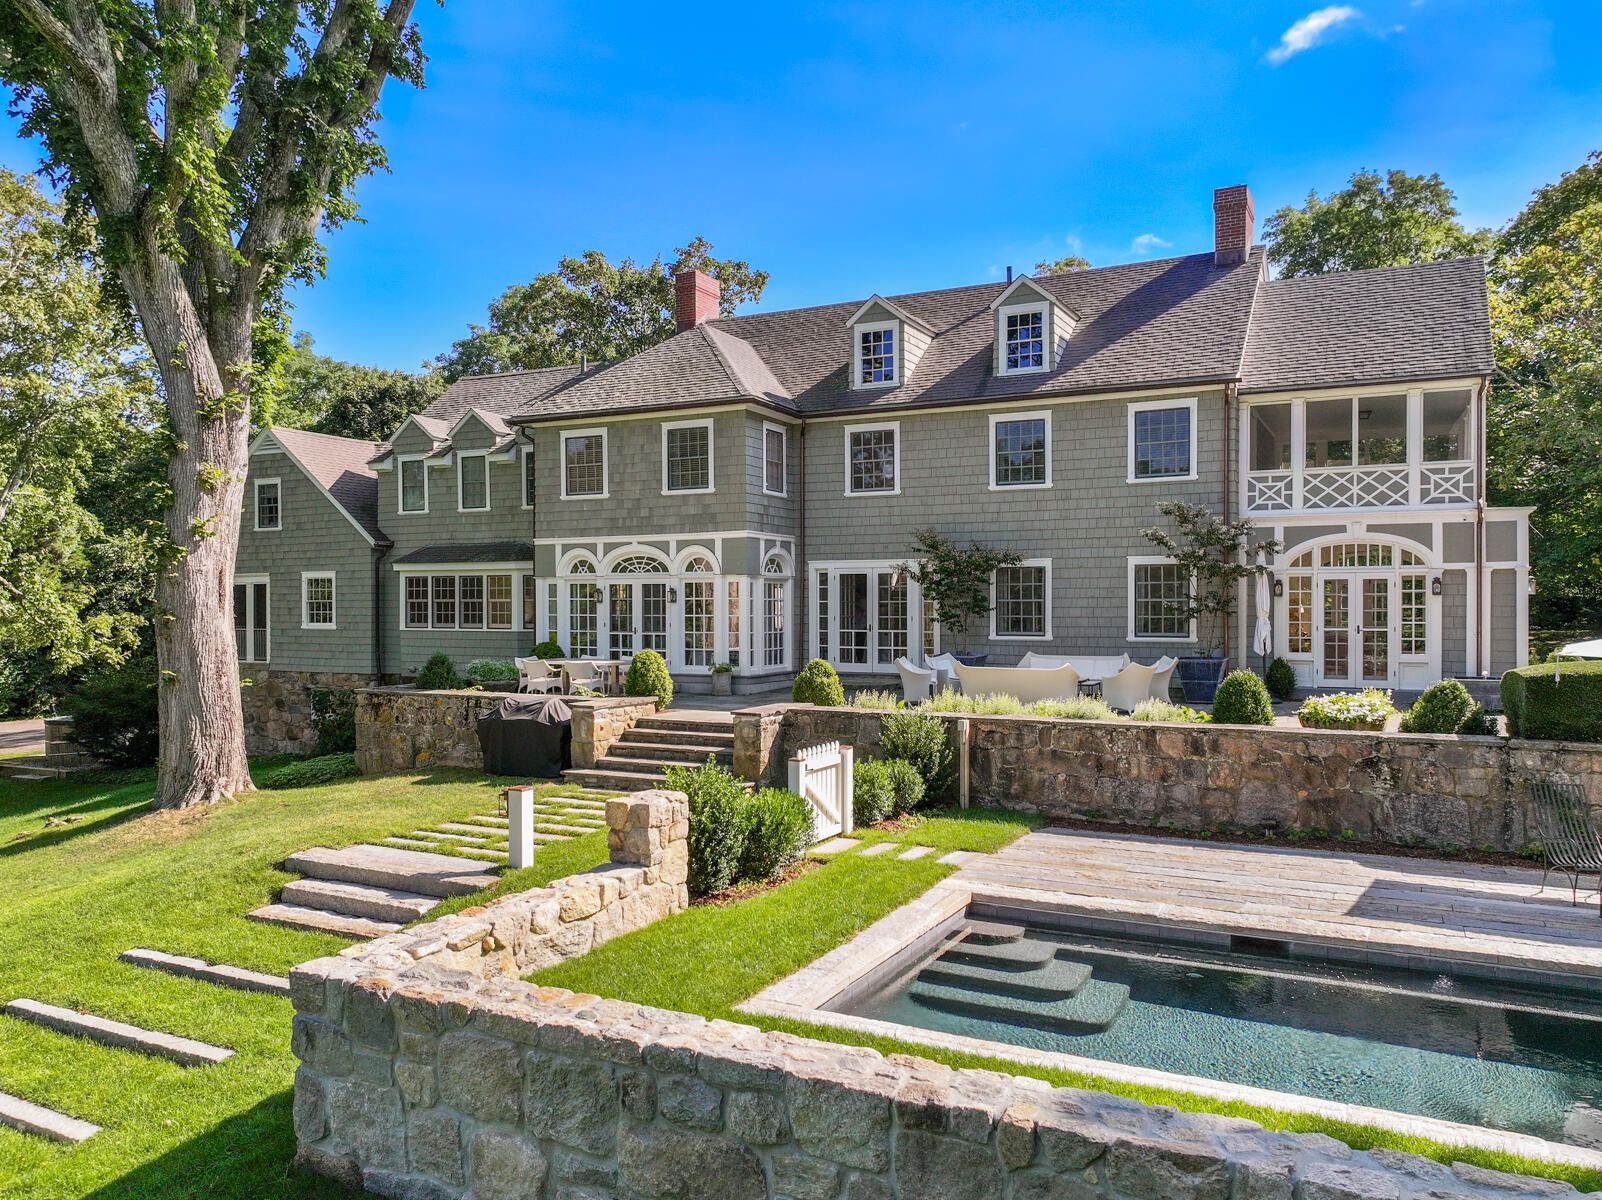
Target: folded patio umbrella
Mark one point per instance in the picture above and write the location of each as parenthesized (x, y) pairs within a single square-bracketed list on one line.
[(1263, 638), (1590, 649)]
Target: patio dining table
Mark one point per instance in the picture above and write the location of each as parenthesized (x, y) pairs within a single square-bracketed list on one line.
[(612, 668)]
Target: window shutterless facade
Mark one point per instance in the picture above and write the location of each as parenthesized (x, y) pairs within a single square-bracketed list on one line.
[(252, 619), (528, 476), (1020, 450), (775, 460), (1156, 587), (584, 464), (413, 484), (1024, 340), (269, 505), (873, 459), (1162, 440), (878, 355), (458, 601), (687, 456), (1021, 601), (472, 483), (317, 600)]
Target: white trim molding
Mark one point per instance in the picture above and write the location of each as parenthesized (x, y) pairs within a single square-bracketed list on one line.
[(895, 467), (1153, 560), (1192, 404), (400, 483), (996, 419), (255, 497), (562, 438), (461, 481), (1043, 564), (898, 353), (306, 578), (525, 482), (711, 457), (784, 458)]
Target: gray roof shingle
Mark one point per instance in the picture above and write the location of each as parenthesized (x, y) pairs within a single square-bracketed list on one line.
[(341, 465), (470, 552)]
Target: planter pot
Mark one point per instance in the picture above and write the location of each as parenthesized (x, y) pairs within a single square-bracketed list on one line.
[(972, 660), (722, 683), (1199, 678)]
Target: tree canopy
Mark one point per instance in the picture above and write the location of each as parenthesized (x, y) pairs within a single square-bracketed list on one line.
[(590, 308), (325, 395), (1068, 262)]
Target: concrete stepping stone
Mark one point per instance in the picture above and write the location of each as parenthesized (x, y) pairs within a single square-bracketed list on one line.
[(483, 855), (488, 822), (182, 1050), (359, 899), (914, 852), (41, 1121), (199, 968), (458, 827), (385, 866), (880, 848), (835, 845), (959, 858), (300, 916), (446, 835)]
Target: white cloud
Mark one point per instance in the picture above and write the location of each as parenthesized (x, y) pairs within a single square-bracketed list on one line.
[(1148, 243), (1310, 31)]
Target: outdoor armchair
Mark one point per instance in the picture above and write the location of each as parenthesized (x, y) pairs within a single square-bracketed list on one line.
[(582, 674), (945, 668), (534, 675), (1569, 838), (1163, 672), (916, 683), (1128, 687)]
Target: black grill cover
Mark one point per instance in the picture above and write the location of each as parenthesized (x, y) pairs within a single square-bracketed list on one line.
[(527, 737)]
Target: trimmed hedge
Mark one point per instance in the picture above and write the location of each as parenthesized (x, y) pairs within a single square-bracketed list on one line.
[(438, 675), (818, 684), (1442, 708), (648, 676), (1242, 700), (1281, 679), (549, 648), (1567, 709)]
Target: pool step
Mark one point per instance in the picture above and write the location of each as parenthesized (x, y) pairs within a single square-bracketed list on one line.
[(1057, 980), (991, 933), (1005, 956), (1096, 1006)]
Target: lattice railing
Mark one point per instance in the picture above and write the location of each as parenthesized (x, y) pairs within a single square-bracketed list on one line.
[(1355, 487), (1446, 483), (1271, 492)]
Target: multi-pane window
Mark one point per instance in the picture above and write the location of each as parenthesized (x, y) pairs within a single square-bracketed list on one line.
[(269, 513), (822, 591), (584, 464), (474, 496), (689, 457), (878, 355), (463, 601), (445, 601), (773, 460), (699, 617), (552, 591), (317, 594), (1160, 590), (416, 601), (1415, 639), (583, 619), (1021, 452), (871, 454), (531, 597), (528, 477), (498, 601), (773, 627), (250, 621), (1025, 340), (1161, 442), (1021, 599), (413, 485), (471, 590), (1299, 614), (734, 622)]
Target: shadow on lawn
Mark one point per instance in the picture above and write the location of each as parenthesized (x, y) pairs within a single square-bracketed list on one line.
[(126, 804), (246, 1157)]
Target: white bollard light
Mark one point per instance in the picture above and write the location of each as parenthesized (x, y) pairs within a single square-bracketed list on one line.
[(519, 825)]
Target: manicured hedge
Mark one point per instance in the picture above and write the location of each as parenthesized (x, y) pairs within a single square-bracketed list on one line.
[(1541, 705)]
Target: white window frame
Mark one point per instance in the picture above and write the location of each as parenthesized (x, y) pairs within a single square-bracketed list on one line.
[(606, 463), (400, 483), (523, 461), (1152, 560), (711, 457), (461, 458), (1021, 637), (784, 459), (1141, 406), (873, 427), (255, 497), (333, 599), (998, 418), (856, 353), (1008, 310), (250, 583)]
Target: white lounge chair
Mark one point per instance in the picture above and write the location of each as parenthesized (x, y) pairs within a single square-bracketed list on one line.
[(945, 668), (535, 675), (1164, 673), (916, 683), (1128, 687), (1027, 684)]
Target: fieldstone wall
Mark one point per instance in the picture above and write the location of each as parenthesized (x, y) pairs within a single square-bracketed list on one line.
[(755, 732), (1409, 789), (278, 715), (404, 729), (597, 723)]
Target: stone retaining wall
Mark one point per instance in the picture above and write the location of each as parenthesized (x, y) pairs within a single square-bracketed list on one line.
[(1409, 789), (429, 1071), (599, 723), (278, 715)]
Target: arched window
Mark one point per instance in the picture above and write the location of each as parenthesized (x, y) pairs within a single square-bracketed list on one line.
[(776, 564), (581, 566), (639, 564), (699, 565), (1357, 554)]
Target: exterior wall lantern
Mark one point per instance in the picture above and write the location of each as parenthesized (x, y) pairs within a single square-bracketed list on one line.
[(1279, 588), (673, 594), (1435, 586)]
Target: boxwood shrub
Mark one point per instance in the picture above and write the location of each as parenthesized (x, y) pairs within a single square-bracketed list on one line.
[(1242, 700), (873, 792), (648, 676), (1281, 679), (438, 674), (1539, 704), (922, 739), (1442, 708), (906, 784), (777, 833), (818, 684), (549, 648)]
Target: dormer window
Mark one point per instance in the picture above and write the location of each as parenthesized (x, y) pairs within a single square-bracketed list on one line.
[(877, 361), (1032, 328), (1026, 340)]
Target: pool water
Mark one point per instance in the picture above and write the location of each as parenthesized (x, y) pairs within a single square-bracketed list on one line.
[(1522, 1059)]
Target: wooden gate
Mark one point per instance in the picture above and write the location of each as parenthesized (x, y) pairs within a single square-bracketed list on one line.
[(821, 775)]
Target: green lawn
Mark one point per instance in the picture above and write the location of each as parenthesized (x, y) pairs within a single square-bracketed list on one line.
[(76, 895)]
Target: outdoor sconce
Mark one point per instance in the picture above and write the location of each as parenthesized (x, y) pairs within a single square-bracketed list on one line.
[(1435, 586), (1279, 587), (673, 595)]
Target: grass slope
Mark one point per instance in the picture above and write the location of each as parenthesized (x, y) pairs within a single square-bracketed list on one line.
[(76, 895)]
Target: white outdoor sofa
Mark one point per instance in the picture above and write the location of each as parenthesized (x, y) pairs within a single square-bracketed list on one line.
[(1027, 684), (1088, 667)]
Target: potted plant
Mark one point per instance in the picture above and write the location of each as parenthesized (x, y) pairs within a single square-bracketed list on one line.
[(956, 581), (1369, 709), (1217, 557), (722, 679)]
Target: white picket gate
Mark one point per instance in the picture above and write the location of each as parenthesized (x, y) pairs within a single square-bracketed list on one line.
[(821, 775)]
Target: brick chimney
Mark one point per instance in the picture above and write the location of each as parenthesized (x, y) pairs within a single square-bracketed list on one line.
[(695, 298), (1232, 225)]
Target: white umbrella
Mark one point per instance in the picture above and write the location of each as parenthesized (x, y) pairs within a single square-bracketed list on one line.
[(1263, 639), (1590, 649)]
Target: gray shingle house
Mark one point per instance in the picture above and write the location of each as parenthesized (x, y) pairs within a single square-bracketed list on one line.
[(745, 491)]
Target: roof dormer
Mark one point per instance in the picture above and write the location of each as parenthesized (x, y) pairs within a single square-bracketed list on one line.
[(1031, 330), (886, 344)]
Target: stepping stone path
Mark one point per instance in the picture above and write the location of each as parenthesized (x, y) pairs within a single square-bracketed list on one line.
[(185, 1051), (914, 852), (878, 848), (835, 845), (197, 968), (44, 1122)]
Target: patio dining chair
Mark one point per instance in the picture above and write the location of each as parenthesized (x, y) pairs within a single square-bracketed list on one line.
[(582, 674), (1569, 839), (1164, 668), (535, 675)]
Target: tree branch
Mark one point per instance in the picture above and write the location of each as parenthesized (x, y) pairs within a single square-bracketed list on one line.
[(61, 39)]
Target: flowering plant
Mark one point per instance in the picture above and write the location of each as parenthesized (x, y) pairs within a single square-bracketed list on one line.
[(1368, 709)]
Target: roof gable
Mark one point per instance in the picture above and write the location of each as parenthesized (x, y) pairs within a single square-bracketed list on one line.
[(338, 466), (877, 308)]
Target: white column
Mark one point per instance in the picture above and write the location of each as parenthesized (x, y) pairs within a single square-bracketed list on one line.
[(520, 826)]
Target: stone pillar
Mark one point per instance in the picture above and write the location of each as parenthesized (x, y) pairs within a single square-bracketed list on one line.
[(598, 722), (756, 730), (652, 830)]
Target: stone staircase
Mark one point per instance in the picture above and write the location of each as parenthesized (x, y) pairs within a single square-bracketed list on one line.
[(62, 756), (367, 891), (640, 758)]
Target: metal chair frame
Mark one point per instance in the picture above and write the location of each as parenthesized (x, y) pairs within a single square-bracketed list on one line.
[(1570, 842)]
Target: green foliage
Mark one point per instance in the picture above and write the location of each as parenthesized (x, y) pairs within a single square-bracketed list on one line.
[(491, 670), (818, 684), (1063, 265), (549, 648), (329, 396), (590, 308), (1373, 222), (1217, 556), (114, 714), (1074, 708), (1369, 709), (720, 815), (924, 741), (333, 719), (1242, 700), (1163, 710), (1079, 708), (906, 784), (778, 832), (648, 676), (955, 579), (438, 674), (1442, 708), (873, 792), (876, 698), (1540, 704), (313, 772), (1479, 723), (1281, 679)]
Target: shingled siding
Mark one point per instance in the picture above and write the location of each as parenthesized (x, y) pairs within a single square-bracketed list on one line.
[(1088, 522)]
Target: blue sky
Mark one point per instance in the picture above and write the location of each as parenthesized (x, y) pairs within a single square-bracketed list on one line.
[(858, 148)]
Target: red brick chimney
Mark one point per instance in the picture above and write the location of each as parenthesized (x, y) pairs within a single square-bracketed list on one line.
[(1232, 225), (695, 298)]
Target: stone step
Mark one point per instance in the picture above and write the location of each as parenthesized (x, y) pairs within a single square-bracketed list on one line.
[(627, 764), (991, 933), (320, 920), (185, 1051), (1057, 980), (43, 1122), (1096, 1006), (673, 751), (199, 968), (1004, 956), (31, 768), (676, 724), (385, 866), (359, 899), (618, 781)]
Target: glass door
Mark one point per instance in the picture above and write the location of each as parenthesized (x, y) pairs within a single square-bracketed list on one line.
[(653, 608), (1357, 631), (1375, 630), (865, 618), (852, 630), (1335, 634), (620, 620), (891, 611)]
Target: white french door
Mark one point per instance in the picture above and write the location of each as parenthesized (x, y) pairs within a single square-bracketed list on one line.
[(1356, 630), (865, 617), (636, 617)]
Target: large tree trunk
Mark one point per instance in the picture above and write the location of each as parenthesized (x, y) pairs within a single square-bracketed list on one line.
[(202, 724)]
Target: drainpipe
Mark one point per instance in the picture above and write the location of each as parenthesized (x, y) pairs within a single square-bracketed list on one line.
[(803, 589), (534, 530), (1481, 656), (378, 613), (1229, 444)]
